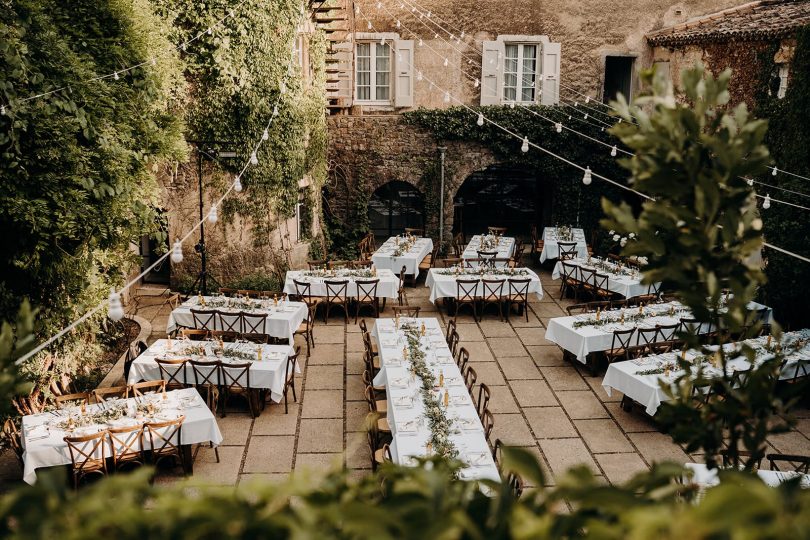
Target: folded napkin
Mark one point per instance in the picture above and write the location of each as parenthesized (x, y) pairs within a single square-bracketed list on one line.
[(400, 382), (468, 424), (403, 401), (444, 359), (38, 432), (407, 426), (477, 459)]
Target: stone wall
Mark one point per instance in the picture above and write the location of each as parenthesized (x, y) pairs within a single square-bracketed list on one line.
[(370, 151), (587, 30)]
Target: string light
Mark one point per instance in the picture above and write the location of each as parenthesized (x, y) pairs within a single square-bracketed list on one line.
[(587, 99), (177, 251), (115, 311), (398, 23), (613, 151), (418, 75), (445, 62), (586, 178), (558, 127), (447, 97), (480, 120), (382, 41), (767, 202), (774, 172), (477, 83), (525, 146), (115, 76), (265, 134), (237, 184), (213, 216), (282, 87), (420, 42), (275, 110), (254, 159), (2, 110)]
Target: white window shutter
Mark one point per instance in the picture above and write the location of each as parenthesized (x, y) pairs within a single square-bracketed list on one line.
[(403, 66), (491, 72), (551, 74)]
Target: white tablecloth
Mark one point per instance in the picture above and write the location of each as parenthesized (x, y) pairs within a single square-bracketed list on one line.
[(383, 258), (551, 249), (709, 478), (44, 445), (386, 288), (269, 372), (406, 408), (624, 285), (504, 249), (646, 389), (444, 285), (282, 321)]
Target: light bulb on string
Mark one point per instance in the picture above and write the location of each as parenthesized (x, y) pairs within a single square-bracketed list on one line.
[(620, 120), (558, 127), (428, 14), (445, 62), (418, 75), (586, 178), (586, 116), (420, 42), (237, 184), (265, 134), (254, 159), (750, 181), (436, 36), (767, 202), (512, 105), (576, 104), (184, 47), (480, 121), (210, 31), (477, 83), (774, 172), (154, 61), (525, 146), (613, 151), (275, 110), (369, 25), (213, 216), (399, 24), (2, 110), (587, 99), (282, 87), (569, 117), (447, 97), (382, 41), (177, 252), (115, 76), (115, 311)]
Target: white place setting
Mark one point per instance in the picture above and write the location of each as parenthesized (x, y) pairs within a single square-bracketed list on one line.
[(268, 363), (386, 288), (399, 251), (552, 236), (409, 408), (442, 281), (43, 434), (283, 315)]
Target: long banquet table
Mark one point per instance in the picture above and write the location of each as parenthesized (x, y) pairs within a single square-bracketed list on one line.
[(268, 373), (628, 377), (551, 240), (504, 248), (282, 319), (406, 408), (706, 477), (385, 259), (623, 281), (43, 434), (442, 281), (387, 287)]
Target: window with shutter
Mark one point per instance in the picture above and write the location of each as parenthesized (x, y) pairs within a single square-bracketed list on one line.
[(373, 72), (403, 92), (491, 72), (520, 69)]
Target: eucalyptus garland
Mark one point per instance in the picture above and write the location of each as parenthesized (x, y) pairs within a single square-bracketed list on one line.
[(441, 427), (100, 417), (238, 354), (626, 318), (482, 271)]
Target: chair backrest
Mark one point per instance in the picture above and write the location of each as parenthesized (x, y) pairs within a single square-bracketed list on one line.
[(602, 305), (600, 281), (228, 321), (303, 289), (336, 290), (172, 371), (165, 437), (414, 231), (622, 339), (141, 388), (88, 451), (255, 338), (368, 393), (451, 326), (470, 376), (467, 290), (514, 481), (204, 319), (570, 272), (666, 332), (453, 342), (452, 261), (367, 290), (587, 276), (114, 392), (488, 422), (406, 311), (463, 359), (493, 289), (647, 336), (126, 442), (363, 326), (12, 435), (486, 255), (236, 376), (71, 400), (250, 293), (789, 462), (661, 347), (317, 265), (519, 289), (568, 250), (253, 323), (228, 337), (226, 291), (497, 231), (292, 362), (577, 308), (206, 372), (194, 334), (483, 400), (690, 326)]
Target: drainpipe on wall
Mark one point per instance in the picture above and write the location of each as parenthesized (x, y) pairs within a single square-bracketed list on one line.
[(442, 150)]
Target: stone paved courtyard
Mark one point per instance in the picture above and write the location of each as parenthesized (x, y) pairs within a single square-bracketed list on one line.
[(539, 401)]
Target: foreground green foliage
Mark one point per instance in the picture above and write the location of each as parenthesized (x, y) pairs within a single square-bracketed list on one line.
[(699, 234)]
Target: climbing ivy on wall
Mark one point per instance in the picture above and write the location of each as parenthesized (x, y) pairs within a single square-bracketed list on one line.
[(235, 84), (788, 139), (570, 197)]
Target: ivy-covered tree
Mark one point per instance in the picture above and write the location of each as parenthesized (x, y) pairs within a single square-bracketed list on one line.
[(76, 164)]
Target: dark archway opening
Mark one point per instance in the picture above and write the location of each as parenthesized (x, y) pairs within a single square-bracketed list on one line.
[(501, 196), (395, 206)]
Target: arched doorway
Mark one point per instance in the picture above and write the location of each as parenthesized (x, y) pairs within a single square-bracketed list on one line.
[(393, 207), (500, 195)]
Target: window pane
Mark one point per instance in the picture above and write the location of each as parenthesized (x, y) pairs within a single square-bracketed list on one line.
[(363, 49), (509, 94), (363, 92), (511, 52)]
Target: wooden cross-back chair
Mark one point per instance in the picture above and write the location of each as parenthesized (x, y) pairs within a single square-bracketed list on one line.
[(289, 377), (146, 387), (12, 435), (482, 402), (307, 329), (207, 380), (467, 295), (568, 250), (367, 297), (415, 232), (514, 481), (173, 372), (488, 421), (492, 294), (453, 342), (228, 322), (236, 382), (303, 290), (204, 319), (569, 279), (336, 296), (622, 340), (407, 311), (101, 395), (318, 265), (165, 440), (126, 446), (517, 295), (87, 456), (253, 323), (71, 400), (470, 376), (134, 351)]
